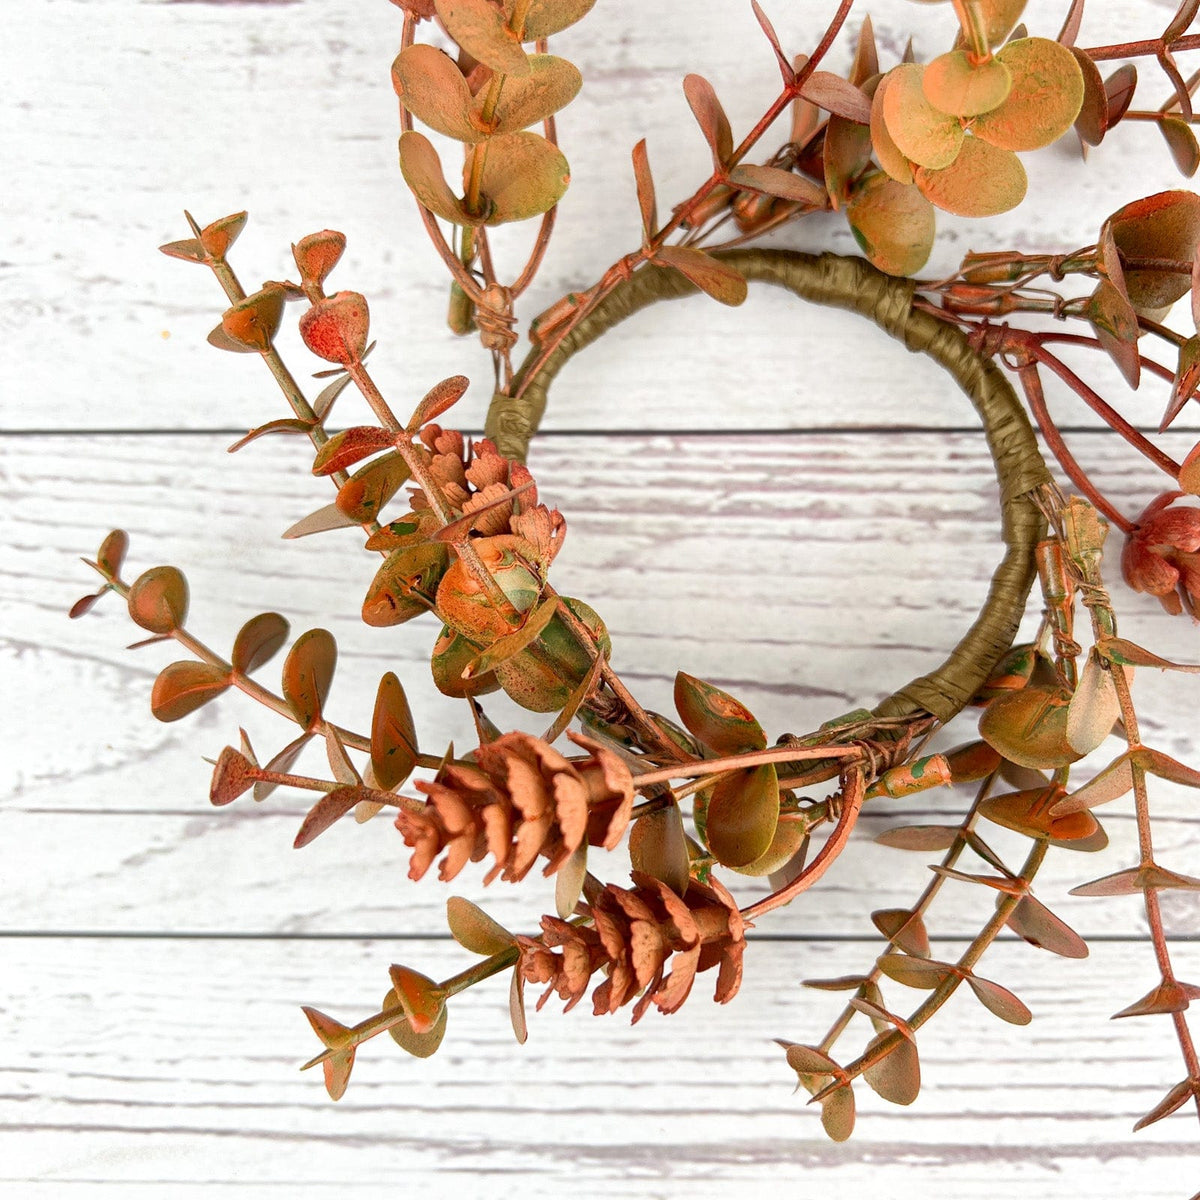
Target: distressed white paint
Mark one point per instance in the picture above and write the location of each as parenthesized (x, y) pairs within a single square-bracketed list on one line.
[(807, 573)]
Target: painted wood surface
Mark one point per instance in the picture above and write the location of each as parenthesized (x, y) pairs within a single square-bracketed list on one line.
[(155, 951)]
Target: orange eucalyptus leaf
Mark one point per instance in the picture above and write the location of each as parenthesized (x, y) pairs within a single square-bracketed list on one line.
[(787, 185), (710, 116), (422, 1000), (1175, 1099), (1034, 922), (482, 30), (1046, 96), (330, 516), (927, 137), (419, 1045), (182, 687), (326, 812), (251, 324), (742, 815), (317, 254), (1094, 708), (1181, 141), (406, 573), (432, 88), (474, 930), (1170, 996), (523, 176), (516, 1006), (439, 399), (1115, 324), (897, 1075), (893, 224), (1029, 727), (658, 847), (158, 600), (983, 180), (886, 151), (919, 837), (552, 83), (307, 674), (348, 446), (903, 928), (219, 236), (1165, 225), (955, 84), (365, 494), (393, 735), (547, 17), (915, 972), (1092, 122), (725, 725), (258, 641), (999, 1001), (336, 329), (837, 96), (422, 171)]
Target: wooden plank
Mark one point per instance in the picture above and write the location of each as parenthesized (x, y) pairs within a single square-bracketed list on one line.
[(118, 800), (158, 1065), (287, 110)]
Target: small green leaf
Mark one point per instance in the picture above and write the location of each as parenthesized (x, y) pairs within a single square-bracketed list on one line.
[(742, 815)]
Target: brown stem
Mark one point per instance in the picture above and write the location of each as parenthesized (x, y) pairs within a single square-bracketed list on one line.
[(683, 213), (1032, 383), (1147, 47), (853, 793)]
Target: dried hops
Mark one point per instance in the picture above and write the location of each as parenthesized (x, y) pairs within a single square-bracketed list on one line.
[(634, 935), (522, 799)]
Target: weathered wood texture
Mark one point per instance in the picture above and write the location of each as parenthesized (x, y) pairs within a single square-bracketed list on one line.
[(123, 114), (808, 573)]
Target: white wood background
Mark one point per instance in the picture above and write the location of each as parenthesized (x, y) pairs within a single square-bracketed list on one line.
[(742, 503)]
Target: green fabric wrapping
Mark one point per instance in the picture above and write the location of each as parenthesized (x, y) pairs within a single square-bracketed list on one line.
[(853, 284)]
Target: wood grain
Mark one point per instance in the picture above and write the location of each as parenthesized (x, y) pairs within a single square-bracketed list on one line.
[(140, 110), (180, 1068), (155, 951), (806, 574)]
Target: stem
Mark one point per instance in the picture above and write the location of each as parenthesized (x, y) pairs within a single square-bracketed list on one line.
[(1149, 46), (1032, 383), (949, 859), (853, 794), (682, 214), (1113, 418), (735, 762)]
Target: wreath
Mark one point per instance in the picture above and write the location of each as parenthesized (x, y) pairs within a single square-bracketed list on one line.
[(644, 819)]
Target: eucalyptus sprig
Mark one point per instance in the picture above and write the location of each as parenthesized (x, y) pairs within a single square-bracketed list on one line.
[(691, 799)]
